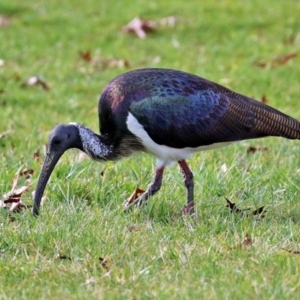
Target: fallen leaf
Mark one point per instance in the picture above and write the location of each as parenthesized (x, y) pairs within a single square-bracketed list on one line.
[(120, 63), (233, 208), (17, 207), (27, 174), (62, 257), (291, 251), (282, 60), (260, 64), (103, 171), (36, 155), (259, 211), (264, 99), (105, 263), (4, 21), (247, 241), (132, 227), (134, 196), (103, 63), (12, 200), (35, 81), (5, 133), (255, 149), (277, 61), (15, 195), (140, 27), (86, 56)]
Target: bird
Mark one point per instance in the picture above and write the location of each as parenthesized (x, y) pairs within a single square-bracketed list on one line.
[(170, 114)]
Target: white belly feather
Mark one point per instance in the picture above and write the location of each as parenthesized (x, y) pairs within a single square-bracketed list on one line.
[(165, 155)]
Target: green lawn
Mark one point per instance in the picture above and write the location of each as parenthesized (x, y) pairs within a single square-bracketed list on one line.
[(83, 246)]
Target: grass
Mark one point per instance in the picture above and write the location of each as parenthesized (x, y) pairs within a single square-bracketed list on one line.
[(150, 253)]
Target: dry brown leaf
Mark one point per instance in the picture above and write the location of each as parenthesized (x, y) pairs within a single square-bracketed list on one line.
[(134, 196), (260, 64), (259, 212), (27, 174), (86, 56), (103, 63), (132, 228), (12, 200), (119, 63), (62, 257), (105, 263), (36, 81), (255, 149), (103, 172), (15, 195), (246, 242), (282, 60), (18, 207), (292, 251), (140, 27), (264, 99), (36, 155), (276, 62), (233, 208)]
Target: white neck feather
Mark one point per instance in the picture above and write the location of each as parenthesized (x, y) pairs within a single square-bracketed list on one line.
[(92, 144)]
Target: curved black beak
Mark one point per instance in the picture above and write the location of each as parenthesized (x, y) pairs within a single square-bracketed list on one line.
[(62, 138), (48, 166)]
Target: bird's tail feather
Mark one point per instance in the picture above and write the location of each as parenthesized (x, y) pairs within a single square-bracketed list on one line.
[(270, 121)]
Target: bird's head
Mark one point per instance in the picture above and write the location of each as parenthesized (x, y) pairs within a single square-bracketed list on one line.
[(62, 138)]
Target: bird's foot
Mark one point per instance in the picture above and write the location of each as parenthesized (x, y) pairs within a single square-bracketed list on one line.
[(131, 204), (137, 198), (188, 210)]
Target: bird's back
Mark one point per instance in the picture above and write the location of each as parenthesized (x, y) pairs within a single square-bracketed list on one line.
[(181, 110)]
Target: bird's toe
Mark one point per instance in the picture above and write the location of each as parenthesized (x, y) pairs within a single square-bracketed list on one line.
[(188, 210)]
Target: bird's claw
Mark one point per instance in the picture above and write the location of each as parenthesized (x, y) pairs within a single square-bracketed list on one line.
[(130, 203), (188, 210)]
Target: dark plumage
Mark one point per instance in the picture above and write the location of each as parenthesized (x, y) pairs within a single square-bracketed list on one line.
[(170, 114)]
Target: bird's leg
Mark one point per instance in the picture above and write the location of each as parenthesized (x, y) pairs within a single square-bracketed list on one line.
[(152, 188), (189, 184)]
